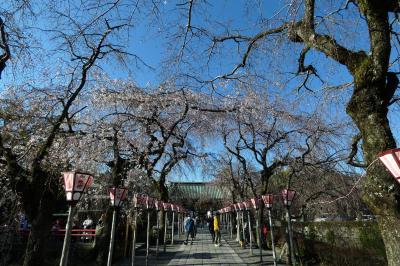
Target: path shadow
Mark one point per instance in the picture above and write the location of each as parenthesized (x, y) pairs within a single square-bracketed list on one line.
[(204, 256)]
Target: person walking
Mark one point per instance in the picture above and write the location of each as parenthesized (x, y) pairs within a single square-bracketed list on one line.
[(189, 229), (217, 232), (210, 223), (87, 224)]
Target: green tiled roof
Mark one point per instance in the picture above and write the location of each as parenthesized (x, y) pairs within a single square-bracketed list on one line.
[(197, 190)]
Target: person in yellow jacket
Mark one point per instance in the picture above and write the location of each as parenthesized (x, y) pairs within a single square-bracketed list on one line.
[(216, 230)]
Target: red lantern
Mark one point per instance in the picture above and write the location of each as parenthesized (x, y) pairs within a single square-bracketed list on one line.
[(158, 205), (247, 204), (268, 200), (76, 184), (117, 195), (391, 159), (139, 200), (256, 203), (166, 206), (149, 202), (288, 196)]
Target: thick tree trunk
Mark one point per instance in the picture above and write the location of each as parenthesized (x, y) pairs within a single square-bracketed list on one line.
[(40, 198), (41, 221), (368, 109)]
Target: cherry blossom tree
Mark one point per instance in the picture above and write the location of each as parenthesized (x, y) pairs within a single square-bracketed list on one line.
[(300, 46)]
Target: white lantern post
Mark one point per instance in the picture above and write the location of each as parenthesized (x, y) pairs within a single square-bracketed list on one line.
[(149, 206), (268, 202), (158, 205), (255, 202), (241, 209), (139, 201), (117, 196), (178, 210), (287, 197), (230, 209), (226, 218), (166, 207), (237, 222), (247, 205), (173, 209), (75, 185)]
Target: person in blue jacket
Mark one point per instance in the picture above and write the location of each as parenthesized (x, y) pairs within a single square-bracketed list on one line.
[(189, 229)]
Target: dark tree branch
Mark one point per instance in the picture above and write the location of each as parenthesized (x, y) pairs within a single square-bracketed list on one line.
[(4, 46), (354, 150)]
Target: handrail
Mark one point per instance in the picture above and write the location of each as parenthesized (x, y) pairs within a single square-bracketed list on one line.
[(61, 232)]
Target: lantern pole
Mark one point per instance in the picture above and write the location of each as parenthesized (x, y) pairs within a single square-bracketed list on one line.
[(67, 237), (179, 226), (291, 255), (158, 208), (259, 234), (165, 228), (134, 235), (148, 237), (111, 248), (173, 224), (272, 235), (75, 185), (250, 233), (288, 196), (243, 229), (237, 225), (117, 195), (231, 224), (257, 207), (226, 220)]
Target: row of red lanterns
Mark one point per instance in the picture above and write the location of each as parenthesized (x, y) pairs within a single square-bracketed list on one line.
[(77, 183), (147, 202), (268, 200)]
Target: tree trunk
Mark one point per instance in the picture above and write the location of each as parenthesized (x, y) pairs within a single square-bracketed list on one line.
[(40, 230), (368, 108), (39, 202), (103, 238)]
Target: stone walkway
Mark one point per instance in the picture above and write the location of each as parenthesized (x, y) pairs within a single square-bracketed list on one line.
[(202, 252)]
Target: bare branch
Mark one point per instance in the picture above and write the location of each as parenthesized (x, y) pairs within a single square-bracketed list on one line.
[(354, 151)]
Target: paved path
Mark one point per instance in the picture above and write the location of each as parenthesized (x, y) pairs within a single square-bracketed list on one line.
[(202, 252)]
